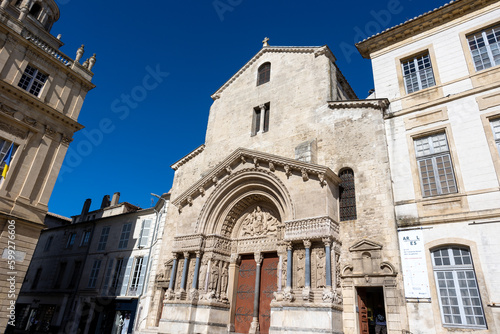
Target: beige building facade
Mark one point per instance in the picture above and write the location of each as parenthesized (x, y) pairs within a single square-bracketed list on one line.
[(282, 221), (41, 94), (440, 73)]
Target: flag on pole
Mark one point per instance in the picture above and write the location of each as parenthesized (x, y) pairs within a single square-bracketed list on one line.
[(7, 159)]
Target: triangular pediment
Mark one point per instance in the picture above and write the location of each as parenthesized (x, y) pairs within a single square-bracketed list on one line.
[(365, 245), (316, 50), (260, 160)]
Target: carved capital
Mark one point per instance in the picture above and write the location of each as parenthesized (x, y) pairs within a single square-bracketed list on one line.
[(258, 257), (262, 107), (307, 243), (256, 162), (235, 259), (199, 253), (271, 167), (66, 140), (288, 170), (175, 256), (186, 255), (50, 132), (327, 242), (289, 246)]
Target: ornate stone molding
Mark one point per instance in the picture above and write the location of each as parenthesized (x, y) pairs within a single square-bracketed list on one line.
[(263, 161), (311, 228), (188, 157), (191, 243), (13, 130), (380, 104), (316, 50)]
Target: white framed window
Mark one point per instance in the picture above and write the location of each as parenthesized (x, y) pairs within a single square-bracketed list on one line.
[(71, 240), (485, 48), (94, 274), (457, 288), (134, 283), (435, 165), (260, 119), (417, 73), (103, 239), (125, 236), (495, 127), (32, 80)]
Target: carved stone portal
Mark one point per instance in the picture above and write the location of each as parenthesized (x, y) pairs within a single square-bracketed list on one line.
[(259, 222)]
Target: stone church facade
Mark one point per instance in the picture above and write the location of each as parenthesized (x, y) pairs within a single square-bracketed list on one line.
[(284, 217)]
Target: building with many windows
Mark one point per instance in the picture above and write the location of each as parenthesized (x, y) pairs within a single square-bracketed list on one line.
[(41, 93), (439, 72), (94, 274)]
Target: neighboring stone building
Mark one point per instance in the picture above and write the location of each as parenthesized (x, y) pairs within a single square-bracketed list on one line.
[(284, 216), (41, 94), (92, 275), (440, 73)]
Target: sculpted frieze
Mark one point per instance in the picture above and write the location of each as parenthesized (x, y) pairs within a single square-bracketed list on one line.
[(311, 228), (188, 242), (259, 222)]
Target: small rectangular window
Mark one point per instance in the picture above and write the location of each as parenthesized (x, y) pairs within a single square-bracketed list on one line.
[(125, 236), (118, 273), (37, 278), (103, 239), (435, 165), (60, 275), (75, 274), (495, 127), (485, 48), (94, 274), (32, 80), (260, 119), (85, 238), (48, 243), (71, 240), (417, 73)]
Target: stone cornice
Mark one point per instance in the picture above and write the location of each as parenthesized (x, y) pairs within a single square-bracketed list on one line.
[(317, 50), (188, 157), (381, 104), (242, 156), (30, 100), (417, 25)]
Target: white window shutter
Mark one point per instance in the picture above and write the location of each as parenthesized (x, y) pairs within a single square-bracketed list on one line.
[(108, 275), (126, 277), (146, 227)]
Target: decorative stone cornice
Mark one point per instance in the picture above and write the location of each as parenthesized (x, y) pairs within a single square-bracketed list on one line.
[(419, 24), (194, 242), (316, 50), (188, 157), (263, 161), (311, 228), (380, 104)]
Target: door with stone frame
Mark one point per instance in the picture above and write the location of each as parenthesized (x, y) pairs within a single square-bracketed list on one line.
[(245, 292), (362, 312)]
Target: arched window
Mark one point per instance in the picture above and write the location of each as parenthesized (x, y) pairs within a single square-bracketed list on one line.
[(264, 74), (457, 288), (35, 9), (347, 195)]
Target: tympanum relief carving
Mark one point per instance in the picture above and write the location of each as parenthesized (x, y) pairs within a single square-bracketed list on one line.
[(259, 222)]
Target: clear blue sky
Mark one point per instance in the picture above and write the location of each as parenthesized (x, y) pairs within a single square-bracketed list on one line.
[(135, 129)]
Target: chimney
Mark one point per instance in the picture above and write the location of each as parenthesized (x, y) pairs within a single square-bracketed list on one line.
[(105, 202), (85, 209), (115, 199)]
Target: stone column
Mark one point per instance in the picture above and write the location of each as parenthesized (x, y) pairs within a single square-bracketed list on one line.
[(171, 285), (328, 294), (4, 3), (234, 267), (193, 293), (262, 116), (306, 293), (288, 293), (185, 272), (254, 327)]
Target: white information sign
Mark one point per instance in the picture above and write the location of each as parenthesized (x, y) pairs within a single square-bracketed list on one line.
[(416, 279)]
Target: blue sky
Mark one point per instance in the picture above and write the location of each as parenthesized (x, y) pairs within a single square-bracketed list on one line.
[(159, 62)]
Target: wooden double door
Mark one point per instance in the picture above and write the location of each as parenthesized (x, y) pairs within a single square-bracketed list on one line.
[(245, 292)]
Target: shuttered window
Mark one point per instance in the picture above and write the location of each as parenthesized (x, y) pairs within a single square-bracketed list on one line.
[(435, 165)]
